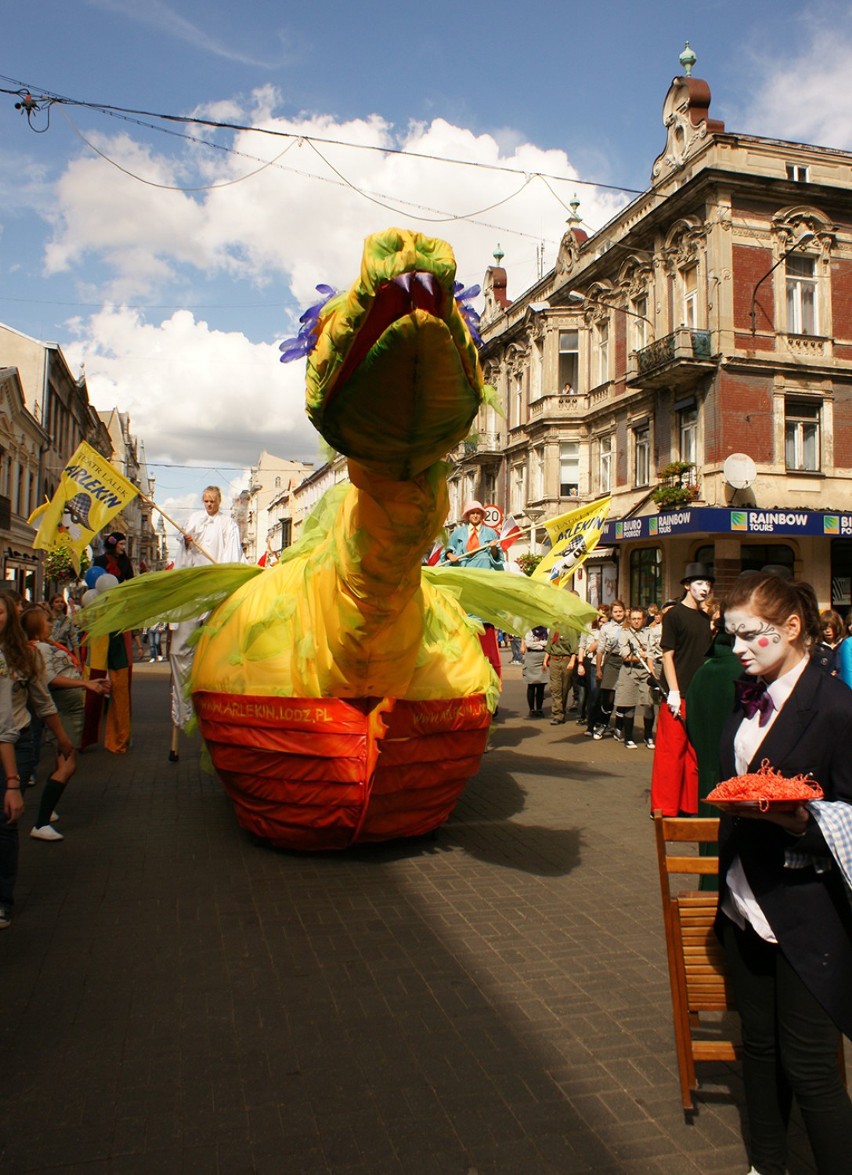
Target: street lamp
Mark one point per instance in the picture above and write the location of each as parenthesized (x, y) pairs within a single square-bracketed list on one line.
[(579, 299), (805, 239), (534, 513)]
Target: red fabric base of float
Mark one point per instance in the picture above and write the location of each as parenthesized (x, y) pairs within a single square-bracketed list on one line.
[(327, 773)]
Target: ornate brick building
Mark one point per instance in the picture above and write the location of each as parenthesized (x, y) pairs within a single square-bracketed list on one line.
[(693, 358)]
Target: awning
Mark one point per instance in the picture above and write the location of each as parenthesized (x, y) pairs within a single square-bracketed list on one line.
[(715, 520)]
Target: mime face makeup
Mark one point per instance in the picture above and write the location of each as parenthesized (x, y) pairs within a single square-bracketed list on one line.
[(699, 589), (764, 649)]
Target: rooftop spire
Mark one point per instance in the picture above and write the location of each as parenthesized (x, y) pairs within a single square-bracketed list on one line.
[(687, 59)]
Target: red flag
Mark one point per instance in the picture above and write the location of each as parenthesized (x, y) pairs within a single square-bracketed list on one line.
[(434, 554), (509, 532)]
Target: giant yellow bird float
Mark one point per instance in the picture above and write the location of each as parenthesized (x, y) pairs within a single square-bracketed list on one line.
[(343, 693)]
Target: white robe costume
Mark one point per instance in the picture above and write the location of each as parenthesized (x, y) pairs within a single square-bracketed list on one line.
[(219, 535)]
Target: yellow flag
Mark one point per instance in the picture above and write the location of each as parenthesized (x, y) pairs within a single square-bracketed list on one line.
[(573, 537), (90, 493)]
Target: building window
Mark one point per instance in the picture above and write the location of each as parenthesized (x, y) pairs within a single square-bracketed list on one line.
[(640, 326), (605, 464), (801, 296), (536, 371), (642, 455), (569, 469), (757, 556), (689, 278), (519, 485), (538, 473), (687, 434), (489, 486), (646, 576), (801, 435), (602, 353), (797, 173), (569, 357), (518, 381)]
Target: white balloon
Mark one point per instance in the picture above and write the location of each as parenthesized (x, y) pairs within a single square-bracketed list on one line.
[(89, 597), (104, 582)]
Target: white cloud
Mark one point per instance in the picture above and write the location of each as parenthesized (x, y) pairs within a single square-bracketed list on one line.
[(804, 98), (307, 213), (193, 392)]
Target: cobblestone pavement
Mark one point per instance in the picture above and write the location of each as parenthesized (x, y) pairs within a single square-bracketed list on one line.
[(490, 1000)]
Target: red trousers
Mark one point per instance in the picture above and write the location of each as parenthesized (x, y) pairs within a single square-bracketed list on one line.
[(490, 648), (674, 776)]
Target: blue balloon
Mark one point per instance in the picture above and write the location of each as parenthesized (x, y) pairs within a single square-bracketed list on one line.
[(93, 575)]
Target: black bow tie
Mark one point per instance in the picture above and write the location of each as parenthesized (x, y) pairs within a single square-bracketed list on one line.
[(753, 698)]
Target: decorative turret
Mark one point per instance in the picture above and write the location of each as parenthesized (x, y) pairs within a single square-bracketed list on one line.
[(494, 286), (685, 117), (572, 241)]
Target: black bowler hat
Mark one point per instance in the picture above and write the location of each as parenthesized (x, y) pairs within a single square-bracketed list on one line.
[(696, 571)]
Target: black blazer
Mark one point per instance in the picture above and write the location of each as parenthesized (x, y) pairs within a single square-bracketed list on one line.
[(809, 913)]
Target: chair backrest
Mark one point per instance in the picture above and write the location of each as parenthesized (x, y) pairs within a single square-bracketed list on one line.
[(695, 956)]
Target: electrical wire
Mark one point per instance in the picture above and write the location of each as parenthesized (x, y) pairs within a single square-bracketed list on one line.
[(107, 108), (171, 187), (343, 181)]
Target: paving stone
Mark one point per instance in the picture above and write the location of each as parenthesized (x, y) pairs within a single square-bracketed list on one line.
[(490, 999)]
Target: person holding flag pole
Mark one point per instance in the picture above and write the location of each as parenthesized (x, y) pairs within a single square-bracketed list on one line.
[(573, 537), (91, 492), (472, 543), (214, 537)]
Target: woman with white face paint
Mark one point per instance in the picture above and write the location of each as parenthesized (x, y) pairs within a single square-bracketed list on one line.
[(784, 878)]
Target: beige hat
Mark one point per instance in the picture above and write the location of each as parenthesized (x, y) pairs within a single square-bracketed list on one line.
[(471, 506)]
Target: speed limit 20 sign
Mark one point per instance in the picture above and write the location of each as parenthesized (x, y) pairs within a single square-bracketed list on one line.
[(493, 517)]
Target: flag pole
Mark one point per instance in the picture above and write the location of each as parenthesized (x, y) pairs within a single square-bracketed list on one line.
[(177, 526), (485, 546)]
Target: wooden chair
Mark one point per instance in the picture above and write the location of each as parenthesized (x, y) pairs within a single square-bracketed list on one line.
[(695, 956)]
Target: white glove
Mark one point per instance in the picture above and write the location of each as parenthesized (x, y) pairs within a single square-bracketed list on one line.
[(673, 702)]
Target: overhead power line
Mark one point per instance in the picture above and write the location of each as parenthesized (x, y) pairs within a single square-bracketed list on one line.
[(44, 100)]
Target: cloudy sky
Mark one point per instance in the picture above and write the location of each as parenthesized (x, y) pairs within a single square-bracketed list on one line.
[(171, 259)]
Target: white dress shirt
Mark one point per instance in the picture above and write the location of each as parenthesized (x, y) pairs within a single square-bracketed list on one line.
[(740, 904)]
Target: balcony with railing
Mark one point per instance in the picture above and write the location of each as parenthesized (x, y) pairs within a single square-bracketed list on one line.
[(480, 447), (671, 361), (559, 405)]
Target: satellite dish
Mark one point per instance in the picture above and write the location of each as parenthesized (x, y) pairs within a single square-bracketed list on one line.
[(739, 470)]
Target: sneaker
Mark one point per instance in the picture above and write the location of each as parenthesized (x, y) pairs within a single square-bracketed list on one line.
[(46, 832), (599, 733), (54, 816), (556, 721), (630, 745), (31, 782), (5, 917), (588, 734), (618, 735), (650, 744)]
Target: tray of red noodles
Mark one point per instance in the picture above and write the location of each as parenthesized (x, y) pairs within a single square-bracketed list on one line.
[(764, 791)]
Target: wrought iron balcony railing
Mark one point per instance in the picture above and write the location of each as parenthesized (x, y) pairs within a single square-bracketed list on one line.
[(672, 360)]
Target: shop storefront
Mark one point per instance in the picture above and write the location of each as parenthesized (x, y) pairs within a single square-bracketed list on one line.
[(20, 572), (812, 545)]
